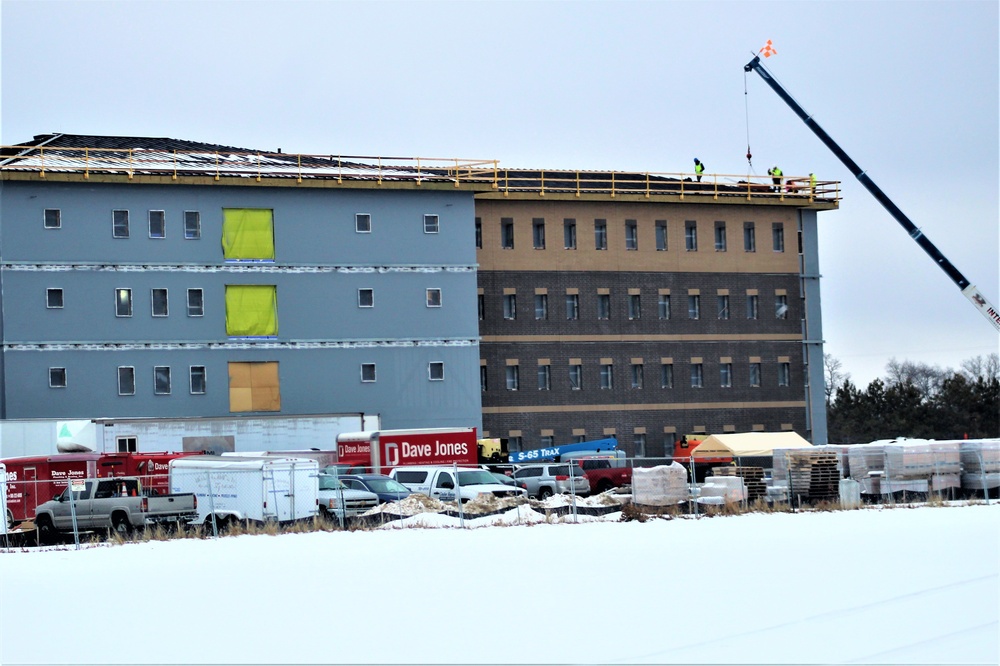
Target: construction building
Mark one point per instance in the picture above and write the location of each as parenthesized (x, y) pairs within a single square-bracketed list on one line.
[(148, 277)]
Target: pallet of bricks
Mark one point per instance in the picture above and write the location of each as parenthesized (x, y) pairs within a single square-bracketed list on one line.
[(753, 479), (812, 475)]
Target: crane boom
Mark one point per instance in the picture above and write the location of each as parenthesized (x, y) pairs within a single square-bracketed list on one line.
[(970, 291)]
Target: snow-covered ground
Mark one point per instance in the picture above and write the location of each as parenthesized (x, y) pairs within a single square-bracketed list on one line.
[(904, 585)]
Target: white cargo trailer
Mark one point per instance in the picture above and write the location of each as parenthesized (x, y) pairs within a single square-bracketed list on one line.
[(256, 488)]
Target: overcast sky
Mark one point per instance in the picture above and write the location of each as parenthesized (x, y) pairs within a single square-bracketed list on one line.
[(908, 89)]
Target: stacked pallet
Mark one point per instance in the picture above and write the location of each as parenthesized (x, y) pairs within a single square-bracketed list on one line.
[(813, 476), (753, 479), (980, 464)]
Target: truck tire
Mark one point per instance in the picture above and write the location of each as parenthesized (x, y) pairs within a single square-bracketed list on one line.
[(121, 526), (604, 485), (46, 530), (544, 493)]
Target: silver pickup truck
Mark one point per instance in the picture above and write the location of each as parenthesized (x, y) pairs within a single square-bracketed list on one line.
[(116, 503)]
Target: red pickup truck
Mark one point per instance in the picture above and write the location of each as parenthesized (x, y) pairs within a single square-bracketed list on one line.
[(602, 474)]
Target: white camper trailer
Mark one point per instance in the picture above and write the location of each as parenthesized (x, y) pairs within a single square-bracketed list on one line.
[(248, 488)]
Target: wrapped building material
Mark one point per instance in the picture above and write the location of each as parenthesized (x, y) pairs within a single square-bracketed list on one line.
[(663, 485), (921, 459), (731, 488), (980, 455)]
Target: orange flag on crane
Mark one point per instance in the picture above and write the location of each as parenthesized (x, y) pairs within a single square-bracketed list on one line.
[(768, 49)]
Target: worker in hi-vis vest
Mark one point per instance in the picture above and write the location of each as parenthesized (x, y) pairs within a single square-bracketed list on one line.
[(812, 184), (775, 174), (699, 168)]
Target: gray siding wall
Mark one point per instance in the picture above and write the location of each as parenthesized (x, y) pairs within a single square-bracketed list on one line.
[(320, 263)]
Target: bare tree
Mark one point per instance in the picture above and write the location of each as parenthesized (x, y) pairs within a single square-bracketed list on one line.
[(926, 378), (833, 375), (982, 367)]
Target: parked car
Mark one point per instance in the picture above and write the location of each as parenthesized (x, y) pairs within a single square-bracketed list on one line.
[(546, 479), (339, 502), (387, 488), (504, 479), (440, 483)]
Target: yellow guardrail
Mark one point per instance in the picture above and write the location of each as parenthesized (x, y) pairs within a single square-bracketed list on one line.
[(260, 165)]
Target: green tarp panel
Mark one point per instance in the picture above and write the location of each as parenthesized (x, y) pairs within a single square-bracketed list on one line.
[(251, 310), (248, 234)]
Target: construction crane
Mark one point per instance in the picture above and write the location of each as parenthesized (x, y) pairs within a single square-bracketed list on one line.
[(969, 290)]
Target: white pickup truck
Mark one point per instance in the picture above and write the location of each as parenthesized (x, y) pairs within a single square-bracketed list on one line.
[(340, 503), (440, 483)]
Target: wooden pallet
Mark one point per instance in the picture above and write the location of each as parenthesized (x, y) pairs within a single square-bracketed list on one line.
[(814, 475), (753, 479)]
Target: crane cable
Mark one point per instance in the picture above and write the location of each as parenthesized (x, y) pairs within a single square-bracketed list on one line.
[(746, 104)]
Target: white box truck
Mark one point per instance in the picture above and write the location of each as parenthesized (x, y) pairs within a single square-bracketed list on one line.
[(259, 489)]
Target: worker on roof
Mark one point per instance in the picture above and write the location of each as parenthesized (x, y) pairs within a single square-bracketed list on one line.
[(775, 174), (812, 183), (699, 168)]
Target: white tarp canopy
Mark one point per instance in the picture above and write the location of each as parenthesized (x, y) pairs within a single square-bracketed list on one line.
[(749, 444)]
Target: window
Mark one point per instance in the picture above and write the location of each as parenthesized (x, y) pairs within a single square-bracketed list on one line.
[(569, 233), (661, 235), (366, 298), (755, 374), (691, 236), (631, 235), (157, 224), (123, 302), (52, 218), (510, 306), (720, 236), (784, 370), (694, 307), (600, 234), (119, 224), (481, 306), (363, 223), (541, 306), (751, 306), (607, 376), (579, 438), (482, 378), (126, 445), (159, 300), (723, 307), (435, 371), (544, 378), (663, 306), (57, 377), (251, 310), (637, 375), (254, 387), (126, 380), (507, 233), (547, 441), (195, 303), (639, 445), (248, 234), (781, 306), (603, 306), (54, 298), (433, 298), (192, 225), (778, 236), (696, 375), (538, 233), (161, 380), (634, 306), (576, 376), (513, 377), (367, 372), (479, 233), (431, 224), (726, 375), (198, 383), (572, 306), (749, 237), (666, 375)]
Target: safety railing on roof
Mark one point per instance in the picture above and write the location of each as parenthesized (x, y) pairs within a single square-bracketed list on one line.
[(486, 173)]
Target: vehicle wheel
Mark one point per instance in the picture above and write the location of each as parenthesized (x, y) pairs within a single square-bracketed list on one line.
[(604, 486), (121, 525), (46, 531), (544, 493)]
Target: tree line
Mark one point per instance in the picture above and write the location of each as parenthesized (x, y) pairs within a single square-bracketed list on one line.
[(915, 400)]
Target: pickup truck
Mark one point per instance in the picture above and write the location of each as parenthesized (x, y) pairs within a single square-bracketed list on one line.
[(439, 483), (340, 503), (116, 503), (604, 476)]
